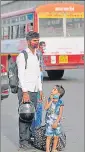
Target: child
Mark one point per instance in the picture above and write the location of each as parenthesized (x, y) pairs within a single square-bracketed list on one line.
[(54, 110)]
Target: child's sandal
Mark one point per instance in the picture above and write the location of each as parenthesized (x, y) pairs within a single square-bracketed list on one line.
[(54, 151)]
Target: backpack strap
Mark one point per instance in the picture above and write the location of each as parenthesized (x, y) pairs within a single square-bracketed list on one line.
[(38, 57), (26, 57)]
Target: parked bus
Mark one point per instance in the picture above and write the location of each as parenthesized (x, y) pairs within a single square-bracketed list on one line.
[(61, 26)]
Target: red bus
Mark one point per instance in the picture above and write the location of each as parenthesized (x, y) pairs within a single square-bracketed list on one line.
[(61, 26)]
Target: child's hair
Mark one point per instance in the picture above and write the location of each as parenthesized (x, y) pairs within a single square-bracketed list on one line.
[(61, 90)]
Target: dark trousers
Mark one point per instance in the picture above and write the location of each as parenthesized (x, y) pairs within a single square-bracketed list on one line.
[(24, 128)]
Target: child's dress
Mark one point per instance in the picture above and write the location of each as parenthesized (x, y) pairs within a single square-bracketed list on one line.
[(51, 116)]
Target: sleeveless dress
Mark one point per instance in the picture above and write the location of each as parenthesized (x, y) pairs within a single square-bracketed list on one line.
[(51, 116)]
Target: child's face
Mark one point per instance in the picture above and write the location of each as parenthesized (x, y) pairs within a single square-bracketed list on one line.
[(54, 91)]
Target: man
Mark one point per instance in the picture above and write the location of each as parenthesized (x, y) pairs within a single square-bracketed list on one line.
[(40, 56), (29, 83), (42, 46)]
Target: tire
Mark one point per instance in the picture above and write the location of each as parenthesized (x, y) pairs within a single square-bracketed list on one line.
[(55, 74)]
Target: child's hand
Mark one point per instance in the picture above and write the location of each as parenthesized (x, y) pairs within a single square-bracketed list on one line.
[(54, 125), (51, 97)]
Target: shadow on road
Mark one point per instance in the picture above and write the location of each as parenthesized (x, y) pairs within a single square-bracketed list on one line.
[(66, 79)]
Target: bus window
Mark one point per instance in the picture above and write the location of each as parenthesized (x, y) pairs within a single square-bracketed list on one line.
[(74, 27), (14, 31), (11, 32), (8, 32), (17, 31), (52, 27), (5, 32), (4, 21), (31, 26), (30, 19), (23, 18), (8, 21), (15, 20), (2, 33), (22, 30)]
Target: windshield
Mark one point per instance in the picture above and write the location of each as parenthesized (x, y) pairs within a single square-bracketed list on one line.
[(74, 27), (51, 27)]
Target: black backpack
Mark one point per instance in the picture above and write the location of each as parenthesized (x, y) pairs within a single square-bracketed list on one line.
[(13, 73)]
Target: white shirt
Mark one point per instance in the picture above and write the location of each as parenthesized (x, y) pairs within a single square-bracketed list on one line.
[(29, 78)]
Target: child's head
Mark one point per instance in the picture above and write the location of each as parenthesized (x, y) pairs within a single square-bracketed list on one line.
[(58, 91)]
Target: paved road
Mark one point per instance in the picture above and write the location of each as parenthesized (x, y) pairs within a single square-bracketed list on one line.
[(73, 82)]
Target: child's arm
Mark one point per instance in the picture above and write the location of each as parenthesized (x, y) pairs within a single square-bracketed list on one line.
[(54, 125), (60, 114), (47, 104)]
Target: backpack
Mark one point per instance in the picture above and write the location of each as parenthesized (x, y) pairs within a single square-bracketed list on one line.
[(13, 73)]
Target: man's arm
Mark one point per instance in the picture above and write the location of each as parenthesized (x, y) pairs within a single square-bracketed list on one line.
[(21, 70), (40, 84)]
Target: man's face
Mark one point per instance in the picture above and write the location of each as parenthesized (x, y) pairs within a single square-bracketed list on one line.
[(34, 43)]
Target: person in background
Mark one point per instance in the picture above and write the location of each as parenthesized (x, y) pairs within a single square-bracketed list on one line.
[(9, 63), (40, 52), (42, 46)]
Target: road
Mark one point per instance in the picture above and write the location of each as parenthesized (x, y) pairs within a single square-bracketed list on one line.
[(73, 122)]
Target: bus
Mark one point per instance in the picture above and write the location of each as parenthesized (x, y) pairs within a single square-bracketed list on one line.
[(60, 25)]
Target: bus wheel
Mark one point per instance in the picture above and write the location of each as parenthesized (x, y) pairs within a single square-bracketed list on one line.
[(55, 74)]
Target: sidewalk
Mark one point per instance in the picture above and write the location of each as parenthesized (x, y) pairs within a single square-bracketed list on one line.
[(8, 146)]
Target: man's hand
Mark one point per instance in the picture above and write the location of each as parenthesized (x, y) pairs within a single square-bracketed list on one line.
[(26, 97), (41, 69), (54, 125), (41, 95)]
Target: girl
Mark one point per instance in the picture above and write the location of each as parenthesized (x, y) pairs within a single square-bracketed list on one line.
[(54, 110)]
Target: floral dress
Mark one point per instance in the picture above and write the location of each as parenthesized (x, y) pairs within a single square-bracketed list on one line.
[(51, 116)]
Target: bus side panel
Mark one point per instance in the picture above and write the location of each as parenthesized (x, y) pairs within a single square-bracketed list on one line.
[(35, 22), (4, 59)]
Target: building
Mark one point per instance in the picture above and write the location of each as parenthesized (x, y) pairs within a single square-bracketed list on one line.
[(9, 6)]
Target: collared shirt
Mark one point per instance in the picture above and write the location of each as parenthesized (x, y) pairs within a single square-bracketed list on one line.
[(29, 78)]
